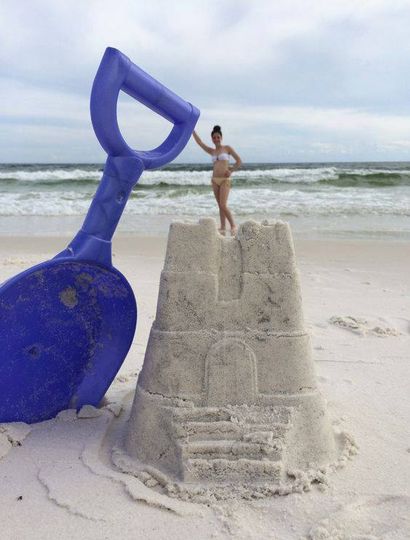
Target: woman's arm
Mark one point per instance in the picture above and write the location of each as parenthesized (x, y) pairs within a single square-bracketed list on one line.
[(238, 161), (207, 149)]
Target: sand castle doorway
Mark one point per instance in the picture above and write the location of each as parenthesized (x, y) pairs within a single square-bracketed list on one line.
[(230, 373)]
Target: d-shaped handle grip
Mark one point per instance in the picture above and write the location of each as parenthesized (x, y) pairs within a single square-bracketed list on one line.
[(117, 72)]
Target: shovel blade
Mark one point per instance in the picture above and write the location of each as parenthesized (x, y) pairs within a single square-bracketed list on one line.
[(65, 329)]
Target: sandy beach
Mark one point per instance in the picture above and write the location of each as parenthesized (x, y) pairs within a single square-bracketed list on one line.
[(58, 480)]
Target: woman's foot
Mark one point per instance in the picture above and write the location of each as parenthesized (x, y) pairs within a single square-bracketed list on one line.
[(222, 232), (234, 230)]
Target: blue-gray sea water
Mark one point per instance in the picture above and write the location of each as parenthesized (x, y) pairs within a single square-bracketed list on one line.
[(370, 199)]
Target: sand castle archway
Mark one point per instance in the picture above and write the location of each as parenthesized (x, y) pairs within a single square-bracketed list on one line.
[(230, 373)]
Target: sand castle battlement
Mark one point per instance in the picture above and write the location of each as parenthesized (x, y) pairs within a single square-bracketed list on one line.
[(227, 390), (213, 282)]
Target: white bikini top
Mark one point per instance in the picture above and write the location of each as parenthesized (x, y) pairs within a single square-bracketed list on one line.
[(220, 157)]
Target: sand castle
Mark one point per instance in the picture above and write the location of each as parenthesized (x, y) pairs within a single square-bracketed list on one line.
[(227, 392)]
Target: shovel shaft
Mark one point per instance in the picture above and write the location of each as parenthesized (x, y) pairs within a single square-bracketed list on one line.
[(125, 165), (93, 241), (119, 177)]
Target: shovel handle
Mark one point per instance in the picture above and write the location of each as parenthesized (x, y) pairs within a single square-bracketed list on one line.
[(117, 72)]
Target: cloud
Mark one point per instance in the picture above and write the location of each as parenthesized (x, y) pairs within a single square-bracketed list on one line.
[(301, 75), (324, 133)]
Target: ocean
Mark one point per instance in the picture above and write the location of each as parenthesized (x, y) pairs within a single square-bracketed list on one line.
[(342, 199)]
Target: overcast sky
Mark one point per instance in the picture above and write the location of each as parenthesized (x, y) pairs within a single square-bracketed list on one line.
[(288, 80)]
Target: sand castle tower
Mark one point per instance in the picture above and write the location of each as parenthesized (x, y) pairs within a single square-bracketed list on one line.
[(227, 392)]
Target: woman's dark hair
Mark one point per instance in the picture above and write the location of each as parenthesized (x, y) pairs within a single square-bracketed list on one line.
[(217, 129)]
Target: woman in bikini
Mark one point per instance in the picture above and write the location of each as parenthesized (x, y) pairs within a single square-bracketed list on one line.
[(221, 175)]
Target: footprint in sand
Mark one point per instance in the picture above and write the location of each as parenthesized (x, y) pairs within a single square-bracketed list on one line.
[(363, 327)]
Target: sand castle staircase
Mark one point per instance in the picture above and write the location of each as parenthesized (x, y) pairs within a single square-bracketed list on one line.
[(228, 390), (231, 442)]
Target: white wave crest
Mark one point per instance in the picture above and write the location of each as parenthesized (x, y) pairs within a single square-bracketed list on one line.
[(191, 177), (242, 202), (50, 175)]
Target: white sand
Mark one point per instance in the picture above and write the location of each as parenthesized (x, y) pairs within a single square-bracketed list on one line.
[(57, 479)]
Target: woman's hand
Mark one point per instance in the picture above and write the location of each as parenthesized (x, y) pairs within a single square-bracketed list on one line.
[(238, 161), (227, 173)]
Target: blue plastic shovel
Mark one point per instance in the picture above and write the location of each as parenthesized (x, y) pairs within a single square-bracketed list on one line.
[(67, 324)]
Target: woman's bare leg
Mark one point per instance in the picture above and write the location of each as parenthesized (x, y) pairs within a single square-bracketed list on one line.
[(224, 190), (216, 189)]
